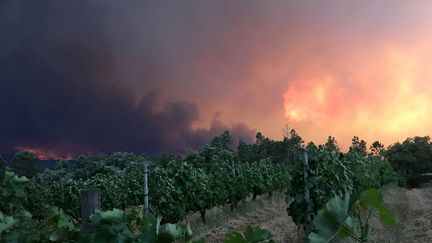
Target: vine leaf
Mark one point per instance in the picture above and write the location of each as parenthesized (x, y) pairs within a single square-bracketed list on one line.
[(332, 221), (335, 220), (251, 235), (373, 198), (235, 237), (6, 222)]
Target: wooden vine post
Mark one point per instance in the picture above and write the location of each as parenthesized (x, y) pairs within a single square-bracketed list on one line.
[(146, 190), (233, 167), (62, 190), (233, 199), (90, 201)]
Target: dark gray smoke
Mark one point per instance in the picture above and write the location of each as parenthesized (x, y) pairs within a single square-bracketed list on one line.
[(60, 88)]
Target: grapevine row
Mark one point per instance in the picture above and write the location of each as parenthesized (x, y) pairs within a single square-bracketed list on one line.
[(175, 189)]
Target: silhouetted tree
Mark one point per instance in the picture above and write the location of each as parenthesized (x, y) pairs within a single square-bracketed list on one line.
[(247, 152), (411, 158), (224, 141), (2, 169), (358, 146), (25, 163), (165, 158), (292, 143), (377, 149), (62, 165), (264, 147), (331, 145)]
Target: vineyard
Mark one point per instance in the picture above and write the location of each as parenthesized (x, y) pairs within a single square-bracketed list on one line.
[(175, 190), (316, 181)]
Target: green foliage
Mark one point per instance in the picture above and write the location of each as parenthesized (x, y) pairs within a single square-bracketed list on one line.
[(215, 175), (373, 199), (277, 152), (358, 146), (251, 235), (183, 188), (210, 177), (2, 168), (110, 226), (24, 163), (13, 191), (22, 227), (223, 141), (332, 221), (87, 167), (209, 156), (411, 158), (369, 172), (328, 176), (118, 226), (176, 189), (332, 175), (339, 219), (18, 225), (331, 145), (377, 149)]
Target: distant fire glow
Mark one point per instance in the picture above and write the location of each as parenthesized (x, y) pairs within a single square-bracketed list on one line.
[(386, 98), (47, 154)]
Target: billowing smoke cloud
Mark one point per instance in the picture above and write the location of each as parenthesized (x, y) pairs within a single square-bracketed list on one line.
[(115, 75), (61, 91), (325, 68)]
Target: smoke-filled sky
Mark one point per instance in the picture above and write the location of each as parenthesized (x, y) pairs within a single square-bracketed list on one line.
[(166, 76)]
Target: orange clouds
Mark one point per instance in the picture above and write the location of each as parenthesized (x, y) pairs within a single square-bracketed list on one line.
[(312, 100), (340, 68), (382, 95)]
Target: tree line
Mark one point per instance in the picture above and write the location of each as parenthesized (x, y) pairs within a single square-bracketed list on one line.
[(411, 159)]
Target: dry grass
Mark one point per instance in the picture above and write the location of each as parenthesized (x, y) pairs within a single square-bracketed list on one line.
[(268, 213), (412, 208)]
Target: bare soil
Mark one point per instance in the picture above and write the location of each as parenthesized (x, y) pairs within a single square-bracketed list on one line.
[(273, 218), (412, 209)]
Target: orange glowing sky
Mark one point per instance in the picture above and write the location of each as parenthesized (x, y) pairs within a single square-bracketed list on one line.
[(378, 92), (387, 97), (342, 69), (361, 69)]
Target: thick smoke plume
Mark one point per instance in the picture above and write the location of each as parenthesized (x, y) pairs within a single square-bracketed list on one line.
[(61, 91)]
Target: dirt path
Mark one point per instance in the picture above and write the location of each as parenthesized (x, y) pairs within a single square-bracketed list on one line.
[(413, 210), (272, 218)]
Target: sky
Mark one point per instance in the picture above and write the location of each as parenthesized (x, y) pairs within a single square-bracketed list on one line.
[(167, 76)]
